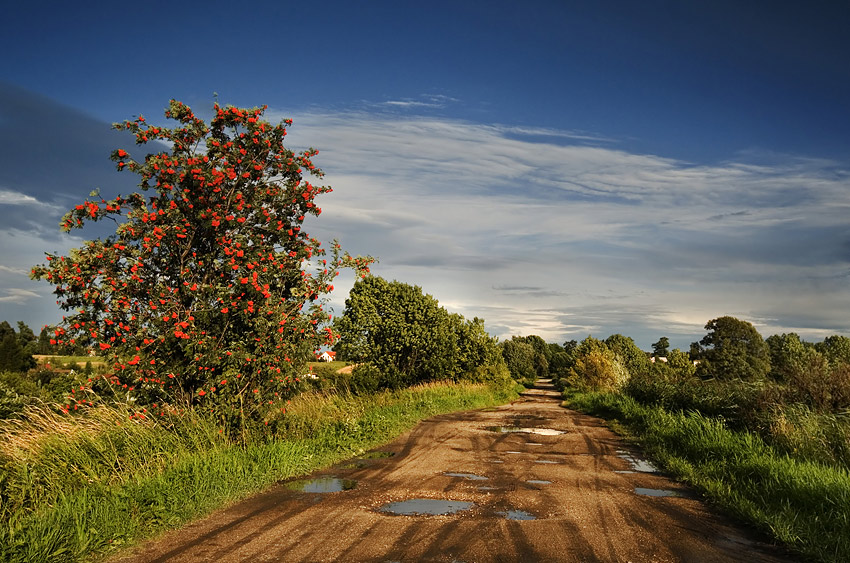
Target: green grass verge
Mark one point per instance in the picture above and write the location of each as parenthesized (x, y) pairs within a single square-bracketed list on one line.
[(803, 504), (75, 487)]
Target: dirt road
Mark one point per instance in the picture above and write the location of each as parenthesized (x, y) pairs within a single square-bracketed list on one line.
[(530, 481)]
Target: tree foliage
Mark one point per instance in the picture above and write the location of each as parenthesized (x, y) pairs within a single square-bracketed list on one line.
[(520, 358), (16, 349), (597, 367), (733, 349), (632, 357), (661, 348), (406, 337), (209, 291)]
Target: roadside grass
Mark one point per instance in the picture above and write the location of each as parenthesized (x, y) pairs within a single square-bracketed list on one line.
[(76, 486), (804, 504), (67, 362), (333, 365)]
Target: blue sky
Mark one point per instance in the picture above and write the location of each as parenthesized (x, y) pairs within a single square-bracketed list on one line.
[(557, 168)]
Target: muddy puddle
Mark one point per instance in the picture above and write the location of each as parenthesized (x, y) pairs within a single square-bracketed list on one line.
[(526, 430), (638, 464), (517, 515), (426, 507), (659, 492), (538, 482), (546, 461), (321, 485), (470, 476)]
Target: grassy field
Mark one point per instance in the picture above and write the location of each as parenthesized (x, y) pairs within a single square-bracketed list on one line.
[(76, 486), (803, 504), (65, 361)]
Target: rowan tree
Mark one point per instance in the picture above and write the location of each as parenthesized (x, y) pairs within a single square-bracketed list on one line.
[(209, 292)]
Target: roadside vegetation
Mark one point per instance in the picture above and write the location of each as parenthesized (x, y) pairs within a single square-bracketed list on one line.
[(72, 486), (207, 309), (760, 427)]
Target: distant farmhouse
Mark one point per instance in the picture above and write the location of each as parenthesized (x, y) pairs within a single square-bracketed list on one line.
[(327, 356)]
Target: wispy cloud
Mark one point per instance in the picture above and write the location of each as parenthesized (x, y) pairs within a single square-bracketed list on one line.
[(17, 295), (475, 210), (432, 101)]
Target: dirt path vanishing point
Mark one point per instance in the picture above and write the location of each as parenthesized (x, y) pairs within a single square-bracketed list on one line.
[(533, 495)]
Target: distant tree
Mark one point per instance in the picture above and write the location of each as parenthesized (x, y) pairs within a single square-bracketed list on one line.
[(406, 335), (632, 357), (561, 360), (542, 353), (680, 363), (661, 348), (520, 357), (476, 348), (788, 355), (11, 352), (597, 367), (44, 346), (695, 351), (836, 349), (29, 346), (733, 349)]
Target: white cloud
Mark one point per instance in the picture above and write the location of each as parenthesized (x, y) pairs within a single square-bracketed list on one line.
[(460, 208), (18, 295), (11, 197)]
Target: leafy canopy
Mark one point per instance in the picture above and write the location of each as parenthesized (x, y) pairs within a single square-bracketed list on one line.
[(209, 291)]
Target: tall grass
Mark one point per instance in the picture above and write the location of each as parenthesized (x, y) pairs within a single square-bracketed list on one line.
[(74, 486), (804, 504)]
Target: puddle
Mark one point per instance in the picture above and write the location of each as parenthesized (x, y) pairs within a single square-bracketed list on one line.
[(637, 463), (545, 461), (626, 472), (426, 506), (538, 431), (517, 515), (321, 485), (533, 444), (657, 492), (539, 482), (486, 488), (376, 455), (470, 476), (512, 452), (495, 461)]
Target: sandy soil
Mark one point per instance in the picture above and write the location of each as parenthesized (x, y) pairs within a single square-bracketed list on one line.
[(582, 489)]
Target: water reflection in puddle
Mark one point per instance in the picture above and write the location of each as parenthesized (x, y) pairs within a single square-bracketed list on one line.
[(517, 515), (426, 506), (512, 452), (321, 485), (637, 464), (539, 482), (486, 488), (470, 476), (657, 492), (545, 461), (538, 431)]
